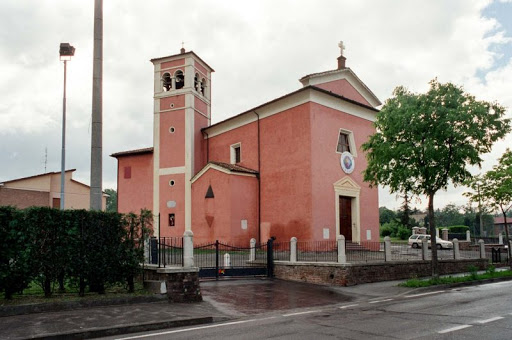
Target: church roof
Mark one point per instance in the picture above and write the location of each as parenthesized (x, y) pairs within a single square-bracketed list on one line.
[(305, 88), (132, 152), (235, 168)]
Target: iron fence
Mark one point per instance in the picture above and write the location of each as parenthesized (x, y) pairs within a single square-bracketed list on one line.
[(366, 251), (404, 252), (317, 251), (281, 251)]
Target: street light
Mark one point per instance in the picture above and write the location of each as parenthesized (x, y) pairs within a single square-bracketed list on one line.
[(66, 52)]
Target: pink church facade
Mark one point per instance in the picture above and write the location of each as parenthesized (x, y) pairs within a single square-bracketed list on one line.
[(291, 167)]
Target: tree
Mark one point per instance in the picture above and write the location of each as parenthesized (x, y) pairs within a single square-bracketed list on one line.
[(424, 141), (494, 189), (386, 215), (111, 200), (404, 214)]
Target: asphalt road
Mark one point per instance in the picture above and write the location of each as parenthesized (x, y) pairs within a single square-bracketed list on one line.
[(476, 312)]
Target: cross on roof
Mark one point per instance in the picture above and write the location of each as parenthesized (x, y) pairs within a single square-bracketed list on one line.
[(341, 46)]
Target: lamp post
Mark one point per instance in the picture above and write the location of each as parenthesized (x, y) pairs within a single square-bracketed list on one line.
[(66, 52)]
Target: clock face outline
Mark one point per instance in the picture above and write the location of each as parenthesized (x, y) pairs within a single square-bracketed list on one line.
[(347, 162)]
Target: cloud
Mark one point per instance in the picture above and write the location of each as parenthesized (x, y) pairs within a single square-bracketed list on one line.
[(258, 49)]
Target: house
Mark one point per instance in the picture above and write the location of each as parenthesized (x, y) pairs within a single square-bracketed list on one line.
[(291, 167), (43, 190), (499, 225)]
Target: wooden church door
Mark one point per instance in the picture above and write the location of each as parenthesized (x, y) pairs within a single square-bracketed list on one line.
[(346, 217)]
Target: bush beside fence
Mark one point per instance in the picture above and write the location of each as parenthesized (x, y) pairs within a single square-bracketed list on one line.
[(84, 248)]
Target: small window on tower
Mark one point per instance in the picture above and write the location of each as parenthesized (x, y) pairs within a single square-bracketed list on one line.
[(171, 220), (236, 153), (203, 86), (343, 142), (180, 79), (127, 172), (166, 82), (196, 82)]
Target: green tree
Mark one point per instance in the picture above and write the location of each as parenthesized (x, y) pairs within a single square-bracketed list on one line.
[(424, 141), (111, 200), (448, 216), (386, 215), (495, 188)]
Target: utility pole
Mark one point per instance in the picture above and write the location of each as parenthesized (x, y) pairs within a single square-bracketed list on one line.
[(97, 113)]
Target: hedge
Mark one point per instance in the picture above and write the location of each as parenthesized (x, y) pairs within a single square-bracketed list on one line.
[(87, 248)]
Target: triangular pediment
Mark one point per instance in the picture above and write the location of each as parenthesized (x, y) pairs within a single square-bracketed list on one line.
[(346, 183)]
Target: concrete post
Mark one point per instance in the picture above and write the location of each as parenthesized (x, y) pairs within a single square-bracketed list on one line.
[(252, 256), (415, 230), (227, 261), (445, 234), (342, 256), (500, 238), (188, 249), (422, 230), (468, 236), (482, 248), (456, 251), (437, 233), (387, 249), (424, 249), (293, 249)]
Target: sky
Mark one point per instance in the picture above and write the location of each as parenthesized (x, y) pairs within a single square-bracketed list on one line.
[(259, 50)]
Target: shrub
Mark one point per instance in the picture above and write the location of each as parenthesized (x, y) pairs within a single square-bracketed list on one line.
[(458, 229), (387, 230), (403, 233)]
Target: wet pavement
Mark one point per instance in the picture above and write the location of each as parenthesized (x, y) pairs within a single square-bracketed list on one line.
[(248, 297), (225, 299)]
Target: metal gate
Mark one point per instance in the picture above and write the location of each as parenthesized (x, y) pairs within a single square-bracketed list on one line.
[(217, 260)]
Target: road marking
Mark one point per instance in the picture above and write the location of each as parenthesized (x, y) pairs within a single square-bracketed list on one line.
[(348, 306), (301, 313), (453, 329), (491, 319), (380, 301), (423, 294), (194, 328)]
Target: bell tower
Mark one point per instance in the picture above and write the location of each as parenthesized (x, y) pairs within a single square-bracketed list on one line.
[(182, 102)]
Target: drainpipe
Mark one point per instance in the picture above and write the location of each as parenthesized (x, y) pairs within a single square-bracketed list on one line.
[(259, 181)]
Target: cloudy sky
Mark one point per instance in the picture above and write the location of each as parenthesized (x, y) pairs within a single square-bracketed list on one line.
[(259, 50)]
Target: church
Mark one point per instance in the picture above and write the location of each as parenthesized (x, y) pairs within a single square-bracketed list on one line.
[(290, 167)]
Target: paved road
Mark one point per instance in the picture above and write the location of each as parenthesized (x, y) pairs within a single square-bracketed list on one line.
[(476, 312)]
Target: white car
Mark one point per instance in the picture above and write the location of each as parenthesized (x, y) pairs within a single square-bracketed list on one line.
[(415, 241)]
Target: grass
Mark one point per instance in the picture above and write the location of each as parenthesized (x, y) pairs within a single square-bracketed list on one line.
[(472, 276), (34, 294)]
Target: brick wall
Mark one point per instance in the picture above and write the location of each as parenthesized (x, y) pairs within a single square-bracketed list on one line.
[(348, 275), (22, 199)]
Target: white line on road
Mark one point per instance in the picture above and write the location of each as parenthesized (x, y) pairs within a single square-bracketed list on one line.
[(380, 301), (194, 328), (491, 319), (300, 313), (348, 306), (456, 328), (423, 294)]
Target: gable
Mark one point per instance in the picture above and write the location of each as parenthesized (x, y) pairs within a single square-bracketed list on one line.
[(347, 184)]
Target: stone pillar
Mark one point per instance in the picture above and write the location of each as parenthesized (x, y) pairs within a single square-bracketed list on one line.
[(482, 248), (422, 230), (188, 249), (468, 236), (415, 230), (387, 249), (456, 251), (342, 256), (445, 234), (252, 256), (424, 249), (500, 238), (437, 233), (293, 249)]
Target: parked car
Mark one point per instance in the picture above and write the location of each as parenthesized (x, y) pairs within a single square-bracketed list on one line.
[(415, 241)]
